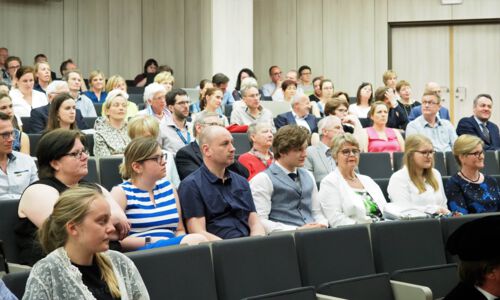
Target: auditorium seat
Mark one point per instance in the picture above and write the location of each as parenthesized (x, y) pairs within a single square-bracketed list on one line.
[(98, 108), (8, 220), (177, 272), (90, 121), (490, 163), (34, 138), (302, 293), (407, 244), (26, 124), (383, 183), (89, 143), (136, 98), (93, 174), (135, 90), (16, 282), (375, 164), (276, 107), (253, 266), (241, 142), (334, 254), (108, 171), (438, 162)]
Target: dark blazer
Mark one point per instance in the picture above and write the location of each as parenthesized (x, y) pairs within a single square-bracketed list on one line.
[(288, 119), (470, 126), (397, 118), (465, 291), (189, 158), (39, 117)]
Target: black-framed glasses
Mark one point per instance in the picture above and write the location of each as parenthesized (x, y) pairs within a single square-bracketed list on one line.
[(8, 134), (158, 158), (430, 103), (347, 152), (476, 154), (427, 153), (78, 154)]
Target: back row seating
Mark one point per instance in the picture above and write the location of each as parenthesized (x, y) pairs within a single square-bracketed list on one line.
[(328, 260)]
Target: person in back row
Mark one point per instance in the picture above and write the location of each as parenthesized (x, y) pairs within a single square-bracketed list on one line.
[(285, 193), (216, 202)]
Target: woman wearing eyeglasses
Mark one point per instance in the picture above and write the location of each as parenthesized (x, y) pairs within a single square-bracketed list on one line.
[(149, 199), (470, 191), (347, 197), (418, 186), (62, 163), (111, 136)]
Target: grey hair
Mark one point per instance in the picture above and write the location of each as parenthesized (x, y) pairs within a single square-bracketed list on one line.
[(152, 89), (327, 122), (341, 139), (56, 85)]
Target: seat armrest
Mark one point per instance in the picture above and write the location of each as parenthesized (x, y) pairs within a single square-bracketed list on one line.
[(408, 291)]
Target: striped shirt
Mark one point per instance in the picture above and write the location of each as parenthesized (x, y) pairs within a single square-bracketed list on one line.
[(148, 218)]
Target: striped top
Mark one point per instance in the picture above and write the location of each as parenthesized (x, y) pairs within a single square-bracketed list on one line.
[(148, 219)]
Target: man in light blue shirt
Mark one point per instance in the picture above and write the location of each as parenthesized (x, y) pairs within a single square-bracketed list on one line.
[(440, 131)]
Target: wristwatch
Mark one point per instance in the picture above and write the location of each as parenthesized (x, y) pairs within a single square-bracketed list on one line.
[(147, 240)]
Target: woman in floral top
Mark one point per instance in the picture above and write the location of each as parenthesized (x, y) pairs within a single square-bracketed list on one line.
[(111, 136)]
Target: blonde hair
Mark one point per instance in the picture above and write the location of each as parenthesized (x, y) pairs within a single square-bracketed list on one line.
[(339, 140), (94, 74), (388, 75), (37, 66), (113, 81), (164, 76), (140, 125), (137, 150), (110, 98), (413, 142), (72, 207), (373, 107), (464, 145)]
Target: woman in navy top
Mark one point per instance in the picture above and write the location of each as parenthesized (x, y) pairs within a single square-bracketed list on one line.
[(149, 199), (470, 191)]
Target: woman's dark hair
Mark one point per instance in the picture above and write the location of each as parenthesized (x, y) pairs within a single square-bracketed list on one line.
[(53, 120), (358, 93), (238, 79), (287, 83), (148, 63), (24, 70), (53, 145)]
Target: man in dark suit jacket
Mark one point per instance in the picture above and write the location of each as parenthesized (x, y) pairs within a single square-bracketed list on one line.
[(479, 124), (299, 115), (40, 115), (189, 158)]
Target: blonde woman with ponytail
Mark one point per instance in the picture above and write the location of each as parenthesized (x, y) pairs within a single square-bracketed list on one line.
[(79, 264)]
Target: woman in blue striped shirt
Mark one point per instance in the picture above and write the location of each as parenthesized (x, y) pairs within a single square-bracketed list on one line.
[(149, 199)]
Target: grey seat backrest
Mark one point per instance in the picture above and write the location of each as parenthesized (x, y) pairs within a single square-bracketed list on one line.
[(375, 164), (302, 293), (241, 143), (8, 220), (16, 282), (92, 175), (108, 170), (375, 286)]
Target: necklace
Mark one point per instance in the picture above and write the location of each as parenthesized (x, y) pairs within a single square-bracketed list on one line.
[(478, 176), (352, 179)]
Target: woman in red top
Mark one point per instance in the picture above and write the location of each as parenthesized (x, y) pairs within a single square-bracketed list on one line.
[(260, 156)]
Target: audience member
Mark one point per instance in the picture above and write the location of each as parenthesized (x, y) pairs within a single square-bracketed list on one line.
[(326, 86), (215, 201), (174, 131), (42, 58), (305, 83), (21, 141), (42, 76), (110, 137), (390, 79), (271, 88), (166, 79), (147, 77), (396, 118), (347, 197), (156, 103), (204, 85), (285, 194), (66, 66), (148, 126), (212, 103), (117, 82), (340, 108), (24, 98), (97, 90), (149, 200), (17, 170), (4, 88), (260, 157), (319, 158), (39, 116), (62, 113), (79, 264), (380, 138), (62, 163), (12, 64), (479, 123), (221, 81), (417, 110), (470, 191), (418, 186), (299, 115), (83, 103), (403, 88), (440, 131), (289, 91), (252, 111), (364, 98), (4, 54), (244, 73), (189, 158), (477, 246), (314, 97)]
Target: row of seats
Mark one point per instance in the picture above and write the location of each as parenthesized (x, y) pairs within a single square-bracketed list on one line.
[(353, 262)]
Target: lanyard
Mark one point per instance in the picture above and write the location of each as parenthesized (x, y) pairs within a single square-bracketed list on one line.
[(179, 133)]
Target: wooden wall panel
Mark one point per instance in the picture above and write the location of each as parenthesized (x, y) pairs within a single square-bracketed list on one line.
[(163, 35), (380, 43), (198, 41), (70, 34), (93, 36), (275, 36), (418, 10), (331, 38), (310, 35), (125, 38), (479, 9)]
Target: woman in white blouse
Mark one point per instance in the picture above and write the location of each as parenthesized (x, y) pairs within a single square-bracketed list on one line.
[(345, 196), (364, 98), (418, 186), (24, 97)]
